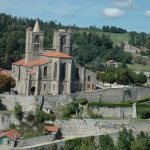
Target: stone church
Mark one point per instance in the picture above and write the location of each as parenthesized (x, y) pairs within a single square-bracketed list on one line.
[(50, 71)]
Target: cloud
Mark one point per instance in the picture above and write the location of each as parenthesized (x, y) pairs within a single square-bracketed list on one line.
[(123, 3), (147, 13), (113, 12)]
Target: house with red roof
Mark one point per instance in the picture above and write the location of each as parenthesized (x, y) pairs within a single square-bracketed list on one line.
[(10, 138), (50, 71), (53, 130)]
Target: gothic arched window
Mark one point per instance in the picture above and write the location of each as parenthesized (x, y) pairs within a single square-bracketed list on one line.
[(55, 71), (45, 71), (63, 71), (37, 39)]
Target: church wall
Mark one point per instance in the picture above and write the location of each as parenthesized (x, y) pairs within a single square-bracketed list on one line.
[(19, 74), (45, 80)]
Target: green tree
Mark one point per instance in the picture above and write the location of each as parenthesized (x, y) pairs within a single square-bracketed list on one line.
[(141, 78), (142, 142), (106, 143), (110, 77), (18, 111), (70, 109), (72, 144), (41, 116), (125, 139)]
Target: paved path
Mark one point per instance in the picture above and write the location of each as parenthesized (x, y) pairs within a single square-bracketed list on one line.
[(54, 142)]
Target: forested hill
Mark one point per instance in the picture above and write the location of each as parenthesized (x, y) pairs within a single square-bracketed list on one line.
[(89, 45)]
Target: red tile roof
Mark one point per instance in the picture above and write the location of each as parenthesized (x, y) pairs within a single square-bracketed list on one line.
[(31, 63), (56, 54), (12, 134), (52, 128)]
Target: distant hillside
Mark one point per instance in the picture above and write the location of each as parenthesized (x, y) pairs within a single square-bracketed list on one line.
[(89, 45), (115, 37)]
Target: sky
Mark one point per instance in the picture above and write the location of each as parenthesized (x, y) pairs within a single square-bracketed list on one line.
[(133, 15)]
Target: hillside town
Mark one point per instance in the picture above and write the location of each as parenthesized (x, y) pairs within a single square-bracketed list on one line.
[(66, 87)]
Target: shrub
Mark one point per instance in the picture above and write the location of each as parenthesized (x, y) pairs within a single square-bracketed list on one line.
[(82, 101), (143, 100), (18, 111), (41, 116), (70, 109), (102, 104), (93, 115), (12, 126), (30, 117), (144, 113)]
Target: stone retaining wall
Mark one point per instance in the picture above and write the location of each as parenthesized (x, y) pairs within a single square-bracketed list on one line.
[(117, 112)]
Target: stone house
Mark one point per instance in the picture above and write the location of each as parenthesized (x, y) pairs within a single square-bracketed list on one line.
[(54, 131), (44, 72), (10, 138)]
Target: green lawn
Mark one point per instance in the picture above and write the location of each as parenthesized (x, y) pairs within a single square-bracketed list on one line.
[(115, 37), (139, 67)]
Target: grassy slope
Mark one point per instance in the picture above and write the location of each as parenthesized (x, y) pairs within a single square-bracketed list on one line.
[(115, 37), (139, 67)]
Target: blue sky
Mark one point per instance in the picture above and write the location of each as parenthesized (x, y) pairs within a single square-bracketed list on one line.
[(128, 14)]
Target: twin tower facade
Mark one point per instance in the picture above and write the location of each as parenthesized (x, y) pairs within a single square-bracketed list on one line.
[(51, 71), (35, 38)]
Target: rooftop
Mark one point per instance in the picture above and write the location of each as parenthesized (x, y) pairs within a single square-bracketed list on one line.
[(31, 63), (52, 128), (56, 54), (12, 134)]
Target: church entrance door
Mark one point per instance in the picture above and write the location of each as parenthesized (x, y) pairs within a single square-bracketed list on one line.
[(32, 90)]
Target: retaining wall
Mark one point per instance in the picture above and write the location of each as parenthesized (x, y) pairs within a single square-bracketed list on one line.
[(119, 112)]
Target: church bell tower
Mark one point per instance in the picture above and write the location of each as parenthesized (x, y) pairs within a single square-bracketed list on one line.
[(34, 43), (61, 41)]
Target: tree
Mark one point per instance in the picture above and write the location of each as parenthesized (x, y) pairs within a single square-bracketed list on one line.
[(6, 83), (70, 109), (2, 106), (41, 116), (106, 143), (125, 139), (141, 78), (18, 111), (142, 142), (110, 78), (72, 144)]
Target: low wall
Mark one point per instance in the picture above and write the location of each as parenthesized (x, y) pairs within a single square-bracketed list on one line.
[(35, 141), (28, 103), (114, 95), (119, 112), (7, 118)]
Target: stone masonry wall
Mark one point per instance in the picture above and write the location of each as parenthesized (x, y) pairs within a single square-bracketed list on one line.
[(7, 118), (119, 112), (32, 103), (28, 103)]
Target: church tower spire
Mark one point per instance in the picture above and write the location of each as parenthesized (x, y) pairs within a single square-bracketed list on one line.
[(34, 43), (36, 27)]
